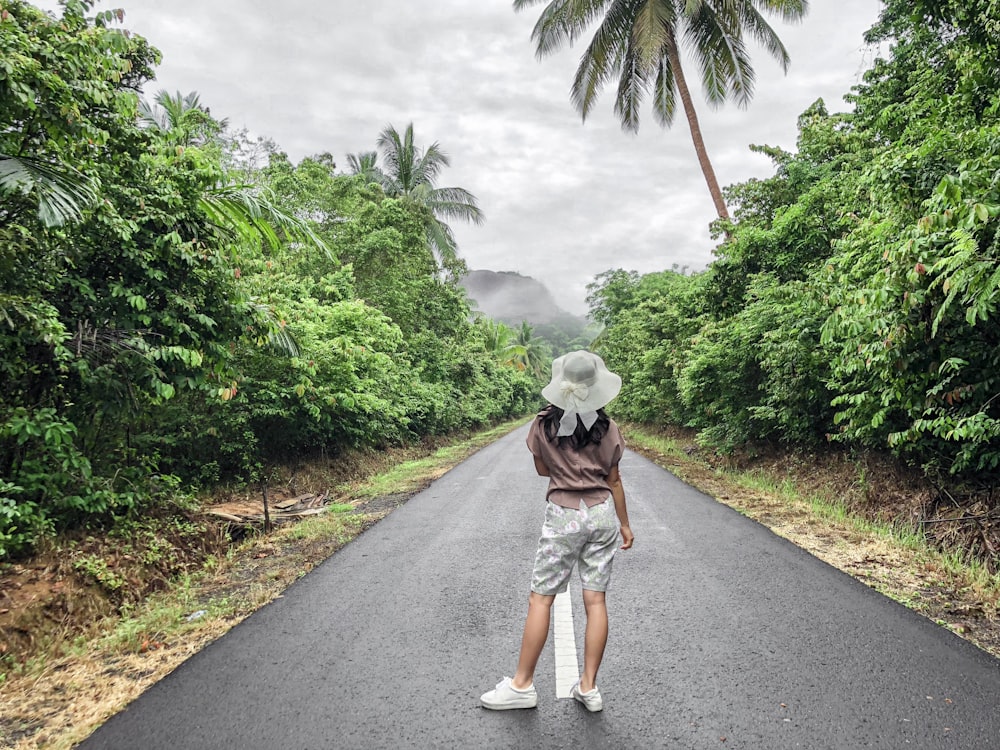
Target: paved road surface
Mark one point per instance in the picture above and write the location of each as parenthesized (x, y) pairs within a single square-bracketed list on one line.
[(722, 636)]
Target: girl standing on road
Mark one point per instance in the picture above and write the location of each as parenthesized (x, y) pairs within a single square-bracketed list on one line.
[(578, 447)]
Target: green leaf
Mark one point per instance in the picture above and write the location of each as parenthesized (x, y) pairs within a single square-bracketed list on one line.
[(62, 192)]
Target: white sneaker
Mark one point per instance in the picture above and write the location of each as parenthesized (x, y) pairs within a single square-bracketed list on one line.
[(505, 696), (592, 699)]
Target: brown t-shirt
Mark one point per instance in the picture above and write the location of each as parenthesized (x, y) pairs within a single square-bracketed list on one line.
[(576, 475)]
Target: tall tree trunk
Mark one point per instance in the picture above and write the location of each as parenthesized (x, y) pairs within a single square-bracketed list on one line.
[(699, 142)]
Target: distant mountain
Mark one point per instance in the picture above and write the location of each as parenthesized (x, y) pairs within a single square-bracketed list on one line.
[(512, 298)]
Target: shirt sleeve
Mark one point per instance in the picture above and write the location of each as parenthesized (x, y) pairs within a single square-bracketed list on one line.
[(532, 440), (616, 445)]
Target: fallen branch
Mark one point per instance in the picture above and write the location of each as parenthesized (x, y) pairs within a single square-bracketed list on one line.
[(962, 519)]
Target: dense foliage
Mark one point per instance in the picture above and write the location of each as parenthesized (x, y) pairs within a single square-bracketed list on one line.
[(173, 313), (855, 295)]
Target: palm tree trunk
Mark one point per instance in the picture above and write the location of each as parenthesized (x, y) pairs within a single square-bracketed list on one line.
[(699, 142)]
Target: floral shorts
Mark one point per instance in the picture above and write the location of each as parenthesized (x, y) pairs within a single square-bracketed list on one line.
[(587, 537)]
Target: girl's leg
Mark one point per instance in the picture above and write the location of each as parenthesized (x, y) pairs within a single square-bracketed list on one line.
[(536, 630), (595, 638)]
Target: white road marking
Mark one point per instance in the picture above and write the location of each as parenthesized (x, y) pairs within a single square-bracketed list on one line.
[(564, 640)]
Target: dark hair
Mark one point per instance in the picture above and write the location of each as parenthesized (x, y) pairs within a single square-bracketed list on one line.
[(551, 416)]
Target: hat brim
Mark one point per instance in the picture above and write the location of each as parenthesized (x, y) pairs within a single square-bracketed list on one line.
[(606, 387)]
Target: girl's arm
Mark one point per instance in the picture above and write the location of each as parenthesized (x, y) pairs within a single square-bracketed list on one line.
[(618, 493)]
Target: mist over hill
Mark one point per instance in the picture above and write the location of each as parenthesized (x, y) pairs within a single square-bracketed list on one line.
[(511, 298)]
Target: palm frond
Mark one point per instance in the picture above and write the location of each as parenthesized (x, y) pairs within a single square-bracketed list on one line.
[(496, 335), (717, 42), (429, 165), (364, 163), (247, 214), (631, 88), (665, 93), (153, 117), (398, 157), (760, 30), (176, 105), (455, 203), (602, 60), (653, 26), (442, 241), (552, 28), (100, 345), (789, 10), (62, 192), (279, 338), (181, 117)]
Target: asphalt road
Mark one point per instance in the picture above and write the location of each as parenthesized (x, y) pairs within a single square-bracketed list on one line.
[(723, 635)]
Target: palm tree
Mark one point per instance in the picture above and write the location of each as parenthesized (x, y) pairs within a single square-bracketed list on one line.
[(364, 164), (530, 354), (499, 341), (182, 116), (638, 42), (410, 173), (496, 335)]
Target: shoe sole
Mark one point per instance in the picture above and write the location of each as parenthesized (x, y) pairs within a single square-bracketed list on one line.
[(508, 706)]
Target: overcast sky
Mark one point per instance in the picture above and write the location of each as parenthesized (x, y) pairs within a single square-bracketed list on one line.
[(564, 200)]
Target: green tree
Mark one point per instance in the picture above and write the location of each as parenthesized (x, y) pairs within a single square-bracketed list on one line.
[(244, 212), (66, 91), (785, 225), (531, 352), (113, 321), (380, 254), (181, 115), (54, 106), (365, 165), (855, 298), (639, 43), (650, 324), (411, 173), (914, 287)]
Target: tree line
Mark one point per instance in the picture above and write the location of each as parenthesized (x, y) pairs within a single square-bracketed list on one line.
[(182, 305)]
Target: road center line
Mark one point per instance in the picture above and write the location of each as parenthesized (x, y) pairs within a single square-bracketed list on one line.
[(564, 640)]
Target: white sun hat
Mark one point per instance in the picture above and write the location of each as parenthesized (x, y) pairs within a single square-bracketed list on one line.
[(581, 384)]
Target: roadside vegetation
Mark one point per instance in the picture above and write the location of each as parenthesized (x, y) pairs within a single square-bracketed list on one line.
[(182, 307), (853, 301)]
